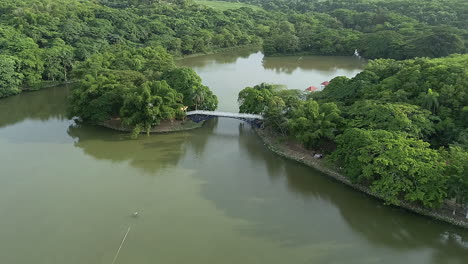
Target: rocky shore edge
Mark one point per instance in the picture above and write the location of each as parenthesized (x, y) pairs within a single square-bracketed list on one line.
[(306, 157)]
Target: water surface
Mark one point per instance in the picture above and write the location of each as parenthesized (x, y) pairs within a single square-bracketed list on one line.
[(212, 195), (228, 73)]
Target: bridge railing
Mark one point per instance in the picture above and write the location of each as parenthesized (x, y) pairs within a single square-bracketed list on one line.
[(225, 114)]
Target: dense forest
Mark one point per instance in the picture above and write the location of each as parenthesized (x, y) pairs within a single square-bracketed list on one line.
[(397, 29), (42, 40), (398, 127)]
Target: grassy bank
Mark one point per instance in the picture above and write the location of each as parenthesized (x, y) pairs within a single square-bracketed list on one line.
[(294, 151)]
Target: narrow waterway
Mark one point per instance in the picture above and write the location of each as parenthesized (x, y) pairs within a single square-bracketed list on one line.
[(211, 195)]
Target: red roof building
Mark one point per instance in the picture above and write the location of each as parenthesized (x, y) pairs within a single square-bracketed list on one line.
[(325, 83), (311, 89)]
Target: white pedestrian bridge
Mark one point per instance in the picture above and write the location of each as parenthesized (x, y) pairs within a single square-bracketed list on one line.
[(224, 114)]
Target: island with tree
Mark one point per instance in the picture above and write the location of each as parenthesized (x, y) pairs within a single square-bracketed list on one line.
[(135, 89)]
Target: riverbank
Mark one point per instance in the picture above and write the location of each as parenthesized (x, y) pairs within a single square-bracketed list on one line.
[(253, 47), (294, 151), (164, 127), (46, 84)]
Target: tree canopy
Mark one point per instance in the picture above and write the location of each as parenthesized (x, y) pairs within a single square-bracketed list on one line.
[(49, 38), (140, 86), (399, 127)]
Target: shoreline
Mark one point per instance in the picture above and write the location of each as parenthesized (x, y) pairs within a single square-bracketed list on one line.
[(305, 157), (216, 51), (164, 127), (47, 84)]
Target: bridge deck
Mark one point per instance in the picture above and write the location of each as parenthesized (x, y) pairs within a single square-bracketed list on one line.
[(225, 114)]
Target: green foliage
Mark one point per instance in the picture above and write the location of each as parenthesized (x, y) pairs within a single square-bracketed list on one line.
[(457, 172), (397, 29), (58, 60), (431, 101), (438, 85), (222, 6), (405, 126), (195, 94), (97, 99), (30, 65), (51, 38), (280, 107), (10, 78), (406, 118), (149, 104), (141, 86), (393, 165), (254, 100), (149, 61), (311, 123)]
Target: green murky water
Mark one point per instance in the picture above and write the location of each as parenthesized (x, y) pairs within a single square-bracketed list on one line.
[(212, 195)]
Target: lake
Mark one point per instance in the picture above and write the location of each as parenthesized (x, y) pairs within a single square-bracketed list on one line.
[(211, 195)]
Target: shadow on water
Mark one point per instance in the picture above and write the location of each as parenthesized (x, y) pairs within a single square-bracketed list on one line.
[(148, 153), (41, 105), (317, 63), (296, 205)]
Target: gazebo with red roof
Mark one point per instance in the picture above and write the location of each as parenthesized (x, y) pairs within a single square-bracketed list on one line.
[(311, 89)]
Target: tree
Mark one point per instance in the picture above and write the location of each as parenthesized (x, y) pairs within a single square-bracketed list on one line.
[(149, 104), (431, 101), (411, 119), (198, 97), (311, 123), (30, 64), (382, 44), (275, 115), (440, 42), (58, 60), (457, 173), (188, 83), (254, 100), (97, 99), (10, 77), (395, 166), (285, 43)]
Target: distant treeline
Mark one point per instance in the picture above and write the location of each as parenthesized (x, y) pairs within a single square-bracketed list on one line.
[(43, 39), (398, 29)]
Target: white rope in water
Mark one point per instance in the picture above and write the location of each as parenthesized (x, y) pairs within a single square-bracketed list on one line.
[(121, 244)]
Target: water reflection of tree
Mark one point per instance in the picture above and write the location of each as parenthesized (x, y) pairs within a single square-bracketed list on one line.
[(217, 58), (200, 137), (306, 208), (317, 63), (41, 105), (148, 153), (251, 143)]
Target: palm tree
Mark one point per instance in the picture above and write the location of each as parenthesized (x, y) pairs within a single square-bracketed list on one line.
[(198, 97), (431, 101)]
